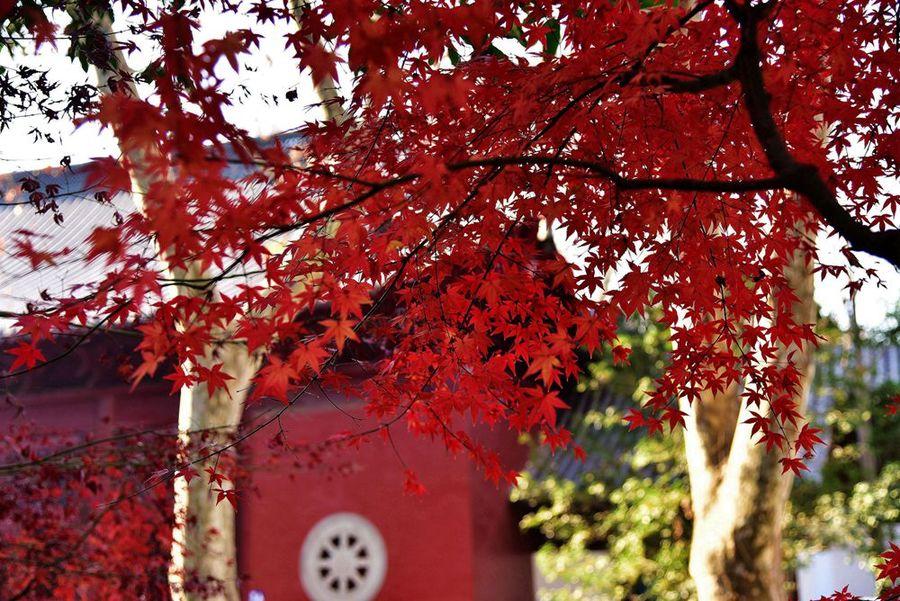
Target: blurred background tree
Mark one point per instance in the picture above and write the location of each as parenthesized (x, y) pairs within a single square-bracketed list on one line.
[(853, 500), (619, 526)]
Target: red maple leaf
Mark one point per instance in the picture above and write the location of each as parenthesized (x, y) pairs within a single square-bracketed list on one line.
[(214, 377), (842, 595), (793, 464), (760, 423), (214, 476), (179, 379), (108, 173), (274, 379), (889, 569), (635, 419), (35, 257), (321, 63), (308, 355), (807, 439), (226, 494), (188, 473), (548, 405), (104, 241), (26, 355), (339, 330), (621, 354), (547, 365), (674, 416), (411, 484)]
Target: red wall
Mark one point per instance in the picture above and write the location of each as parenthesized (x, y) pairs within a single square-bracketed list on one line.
[(502, 563), (457, 542), (97, 410), (85, 392)]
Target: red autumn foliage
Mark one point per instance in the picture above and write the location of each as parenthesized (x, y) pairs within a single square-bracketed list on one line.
[(70, 527), (682, 143), (92, 517), (668, 138)]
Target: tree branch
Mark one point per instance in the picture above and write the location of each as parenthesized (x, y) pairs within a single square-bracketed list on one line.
[(801, 178), (697, 83), (627, 183)]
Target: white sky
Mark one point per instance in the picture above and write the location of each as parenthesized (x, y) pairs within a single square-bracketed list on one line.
[(274, 74)]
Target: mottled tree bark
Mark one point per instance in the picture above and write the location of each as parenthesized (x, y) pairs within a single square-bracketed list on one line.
[(204, 548), (738, 492)]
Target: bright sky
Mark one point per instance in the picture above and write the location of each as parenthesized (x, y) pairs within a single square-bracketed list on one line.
[(268, 77)]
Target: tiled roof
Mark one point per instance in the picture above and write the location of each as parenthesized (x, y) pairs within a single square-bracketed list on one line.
[(81, 213), (604, 445)]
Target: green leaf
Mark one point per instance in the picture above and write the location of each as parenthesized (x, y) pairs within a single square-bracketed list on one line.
[(553, 38), (453, 53), (515, 33)]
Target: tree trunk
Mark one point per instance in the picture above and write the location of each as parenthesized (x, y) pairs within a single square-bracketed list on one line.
[(738, 492), (204, 555), (204, 552)]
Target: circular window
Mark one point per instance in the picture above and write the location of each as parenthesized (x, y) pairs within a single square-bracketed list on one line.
[(343, 558)]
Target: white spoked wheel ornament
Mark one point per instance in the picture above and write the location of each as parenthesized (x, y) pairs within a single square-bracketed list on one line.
[(343, 559)]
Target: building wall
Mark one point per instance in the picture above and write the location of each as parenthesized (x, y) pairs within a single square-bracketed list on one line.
[(830, 570), (96, 410), (454, 543), (502, 560), (457, 542)]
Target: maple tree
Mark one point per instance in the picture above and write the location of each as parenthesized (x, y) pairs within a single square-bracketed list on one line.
[(61, 536), (692, 148)]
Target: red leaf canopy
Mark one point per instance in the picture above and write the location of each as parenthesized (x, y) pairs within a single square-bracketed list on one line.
[(692, 149)]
